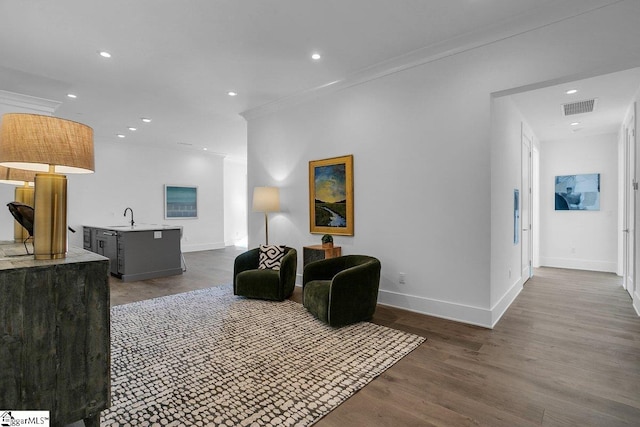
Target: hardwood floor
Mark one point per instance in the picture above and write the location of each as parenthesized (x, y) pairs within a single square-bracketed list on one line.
[(567, 352), (204, 269)]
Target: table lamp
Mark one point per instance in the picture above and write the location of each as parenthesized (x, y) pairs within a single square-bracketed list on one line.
[(50, 146), (266, 199), (24, 193)]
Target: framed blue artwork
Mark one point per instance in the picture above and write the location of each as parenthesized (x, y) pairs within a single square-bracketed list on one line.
[(577, 192), (180, 202)]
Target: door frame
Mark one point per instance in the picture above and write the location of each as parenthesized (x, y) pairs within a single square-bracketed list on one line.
[(629, 203), (526, 203)]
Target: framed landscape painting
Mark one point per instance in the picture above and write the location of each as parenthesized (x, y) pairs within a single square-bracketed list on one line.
[(331, 196), (180, 202)]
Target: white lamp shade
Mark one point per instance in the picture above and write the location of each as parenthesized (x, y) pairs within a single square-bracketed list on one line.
[(266, 199)]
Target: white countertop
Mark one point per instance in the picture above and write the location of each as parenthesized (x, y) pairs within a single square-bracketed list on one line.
[(136, 227)]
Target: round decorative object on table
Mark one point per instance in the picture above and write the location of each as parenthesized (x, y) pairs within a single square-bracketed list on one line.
[(327, 241)]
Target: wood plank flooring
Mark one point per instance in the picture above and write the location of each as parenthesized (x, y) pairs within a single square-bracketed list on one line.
[(566, 353)]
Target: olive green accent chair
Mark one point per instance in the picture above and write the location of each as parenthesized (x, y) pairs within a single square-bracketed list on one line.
[(342, 290), (251, 282)]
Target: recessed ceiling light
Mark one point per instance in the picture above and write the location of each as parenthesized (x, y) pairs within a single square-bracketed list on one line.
[(205, 148), (232, 93), (575, 123), (146, 120), (132, 129), (315, 56), (70, 95), (120, 135), (105, 54), (571, 91)]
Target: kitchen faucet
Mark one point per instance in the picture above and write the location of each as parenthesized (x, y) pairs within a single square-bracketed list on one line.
[(125, 214)]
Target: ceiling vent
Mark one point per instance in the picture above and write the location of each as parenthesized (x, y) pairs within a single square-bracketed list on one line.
[(579, 107)]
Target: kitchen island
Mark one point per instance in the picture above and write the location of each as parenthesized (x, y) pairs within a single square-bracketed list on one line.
[(138, 252)]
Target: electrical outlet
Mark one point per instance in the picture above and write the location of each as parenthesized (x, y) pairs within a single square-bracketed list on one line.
[(509, 273), (573, 250), (402, 279)]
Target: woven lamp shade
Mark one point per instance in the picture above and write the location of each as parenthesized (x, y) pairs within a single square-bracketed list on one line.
[(33, 142), (16, 176)]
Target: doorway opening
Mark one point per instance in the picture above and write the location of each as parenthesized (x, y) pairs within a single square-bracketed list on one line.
[(584, 126)]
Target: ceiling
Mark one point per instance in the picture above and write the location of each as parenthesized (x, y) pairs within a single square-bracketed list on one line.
[(613, 94), (174, 61)]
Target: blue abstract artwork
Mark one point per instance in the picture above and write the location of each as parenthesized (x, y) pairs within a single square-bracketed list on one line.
[(577, 192), (180, 202)]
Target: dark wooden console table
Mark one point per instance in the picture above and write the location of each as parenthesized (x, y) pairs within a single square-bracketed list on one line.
[(55, 334)]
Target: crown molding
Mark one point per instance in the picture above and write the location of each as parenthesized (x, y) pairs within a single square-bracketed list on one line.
[(28, 103), (519, 25)]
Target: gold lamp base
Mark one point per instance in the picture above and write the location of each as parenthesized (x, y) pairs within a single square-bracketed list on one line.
[(50, 222), (24, 195)]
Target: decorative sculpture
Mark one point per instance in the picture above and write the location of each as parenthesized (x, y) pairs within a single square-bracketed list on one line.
[(23, 214)]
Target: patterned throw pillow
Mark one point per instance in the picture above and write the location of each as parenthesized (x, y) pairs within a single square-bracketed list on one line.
[(271, 257)]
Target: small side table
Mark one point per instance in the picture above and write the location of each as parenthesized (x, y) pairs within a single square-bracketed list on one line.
[(317, 252)]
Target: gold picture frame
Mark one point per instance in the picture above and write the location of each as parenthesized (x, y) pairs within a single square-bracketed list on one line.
[(331, 196)]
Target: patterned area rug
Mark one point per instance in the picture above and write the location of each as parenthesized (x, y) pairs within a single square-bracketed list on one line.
[(207, 358)]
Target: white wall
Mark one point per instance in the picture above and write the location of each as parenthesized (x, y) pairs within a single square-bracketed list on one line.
[(421, 142), (507, 124), (134, 176), (235, 203), (586, 240)]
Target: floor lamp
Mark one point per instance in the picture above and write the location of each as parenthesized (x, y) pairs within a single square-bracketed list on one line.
[(50, 146), (266, 199)]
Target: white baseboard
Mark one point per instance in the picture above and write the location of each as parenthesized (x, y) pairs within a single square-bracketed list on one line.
[(499, 308), (579, 264), (636, 303), (446, 310), (195, 247), (458, 312)]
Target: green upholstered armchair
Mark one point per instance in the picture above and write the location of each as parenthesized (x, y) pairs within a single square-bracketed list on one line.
[(252, 282), (341, 290)]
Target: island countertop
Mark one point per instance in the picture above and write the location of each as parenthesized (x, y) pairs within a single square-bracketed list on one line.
[(135, 227)]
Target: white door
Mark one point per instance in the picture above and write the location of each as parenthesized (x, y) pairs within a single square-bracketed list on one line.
[(525, 211), (535, 210), (630, 186)]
